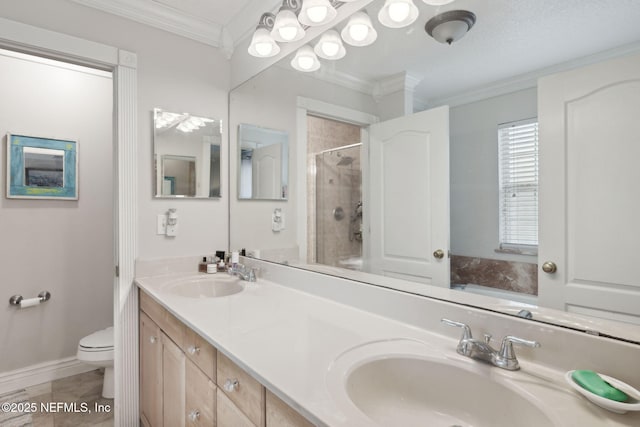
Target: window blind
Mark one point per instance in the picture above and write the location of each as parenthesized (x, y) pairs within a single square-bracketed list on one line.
[(518, 192)]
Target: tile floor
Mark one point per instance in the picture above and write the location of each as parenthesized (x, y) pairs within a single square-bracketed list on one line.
[(83, 389)]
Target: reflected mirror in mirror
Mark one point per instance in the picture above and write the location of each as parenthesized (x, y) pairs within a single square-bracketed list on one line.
[(433, 209), (186, 151), (263, 159)]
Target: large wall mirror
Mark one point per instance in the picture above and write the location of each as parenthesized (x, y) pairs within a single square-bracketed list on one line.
[(263, 158), (437, 169), (186, 152)]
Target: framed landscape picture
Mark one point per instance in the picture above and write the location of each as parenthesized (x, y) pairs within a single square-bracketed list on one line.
[(41, 168)]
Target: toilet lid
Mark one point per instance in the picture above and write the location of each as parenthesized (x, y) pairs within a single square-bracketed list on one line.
[(100, 339)]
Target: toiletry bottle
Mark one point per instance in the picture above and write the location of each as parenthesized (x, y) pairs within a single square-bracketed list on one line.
[(222, 266), (211, 265), (202, 267), (235, 259)]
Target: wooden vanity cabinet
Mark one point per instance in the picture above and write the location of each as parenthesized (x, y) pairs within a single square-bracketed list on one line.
[(279, 414), (186, 382), (151, 401)]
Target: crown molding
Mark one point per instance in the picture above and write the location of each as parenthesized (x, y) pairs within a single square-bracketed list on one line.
[(402, 81), (165, 18), (339, 78)]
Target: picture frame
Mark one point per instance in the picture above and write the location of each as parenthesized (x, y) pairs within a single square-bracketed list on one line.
[(41, 168)]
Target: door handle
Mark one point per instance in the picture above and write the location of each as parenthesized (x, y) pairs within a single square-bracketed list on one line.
[(438, 254), (549, 267)]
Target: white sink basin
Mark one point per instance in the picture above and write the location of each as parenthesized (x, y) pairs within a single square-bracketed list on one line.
[(215, 286), (416, 386)]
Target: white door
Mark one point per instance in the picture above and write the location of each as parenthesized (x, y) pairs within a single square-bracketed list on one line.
[(267, 166), (409, 197), (589, 197)]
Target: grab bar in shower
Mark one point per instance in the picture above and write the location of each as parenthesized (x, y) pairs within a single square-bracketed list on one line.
[(19, 301)]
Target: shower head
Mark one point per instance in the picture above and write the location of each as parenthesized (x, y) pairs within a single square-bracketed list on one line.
[(345, 161)]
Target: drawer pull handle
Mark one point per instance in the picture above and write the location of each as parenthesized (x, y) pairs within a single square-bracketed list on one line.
[(153, 339), (194, 415), (193, 350), (231, 385)]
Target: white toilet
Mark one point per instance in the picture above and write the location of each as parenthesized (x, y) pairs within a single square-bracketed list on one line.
[(97, 349)]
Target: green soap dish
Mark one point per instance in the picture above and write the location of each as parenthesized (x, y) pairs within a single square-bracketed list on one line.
[(606, 385), (594, 383)]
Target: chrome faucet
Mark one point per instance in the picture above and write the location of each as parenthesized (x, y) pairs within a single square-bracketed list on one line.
[(244, 273), (504, 358)]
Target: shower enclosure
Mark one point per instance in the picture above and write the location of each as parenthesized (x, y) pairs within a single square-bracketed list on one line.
[(338, 212)]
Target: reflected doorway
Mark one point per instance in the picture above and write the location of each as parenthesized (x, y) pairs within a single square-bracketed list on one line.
[(334, 203)]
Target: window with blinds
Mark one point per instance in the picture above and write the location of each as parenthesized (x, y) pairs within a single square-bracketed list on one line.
[(518, 192)]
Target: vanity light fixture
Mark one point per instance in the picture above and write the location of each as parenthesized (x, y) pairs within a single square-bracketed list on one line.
[(317, 12), (330, 46), (451, 26), (286, 27), (305, 60), (398, 13), (262, 44), (359, 31)]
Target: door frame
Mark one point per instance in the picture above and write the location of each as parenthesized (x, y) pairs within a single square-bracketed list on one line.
[(306, 106), (123, 64)]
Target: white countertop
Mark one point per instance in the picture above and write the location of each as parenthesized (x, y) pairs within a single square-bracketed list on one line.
[(288, 339)]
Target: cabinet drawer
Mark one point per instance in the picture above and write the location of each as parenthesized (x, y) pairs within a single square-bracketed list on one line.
[(200, 397), (228, 414), (169, 324), (279, 414), (201, 353), (248, 395)]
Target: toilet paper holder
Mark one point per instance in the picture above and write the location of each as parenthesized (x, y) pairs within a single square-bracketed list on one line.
[(42, 296)]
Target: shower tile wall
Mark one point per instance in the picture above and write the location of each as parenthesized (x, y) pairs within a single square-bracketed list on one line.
[(338, 192), (324, 134)]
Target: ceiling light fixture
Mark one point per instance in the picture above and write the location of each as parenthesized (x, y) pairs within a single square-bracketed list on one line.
[(330, 46), (451, 26), (305, 60), (359, 30), (398, 13), (286, 27), (262, 44), (317, 12)]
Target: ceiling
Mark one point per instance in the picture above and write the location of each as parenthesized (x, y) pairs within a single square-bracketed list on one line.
[(512, 40)]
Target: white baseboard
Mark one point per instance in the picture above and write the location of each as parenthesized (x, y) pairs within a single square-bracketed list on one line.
[(42, 373)]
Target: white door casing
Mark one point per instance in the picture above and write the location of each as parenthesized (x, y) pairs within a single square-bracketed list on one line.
[(589, 203), (409, 197)]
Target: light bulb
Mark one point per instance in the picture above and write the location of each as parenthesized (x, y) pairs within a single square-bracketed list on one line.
[(398, 12), (330, 48), (317, 13), (305, 62), (358, 32), (287, 33), (264, 49)]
